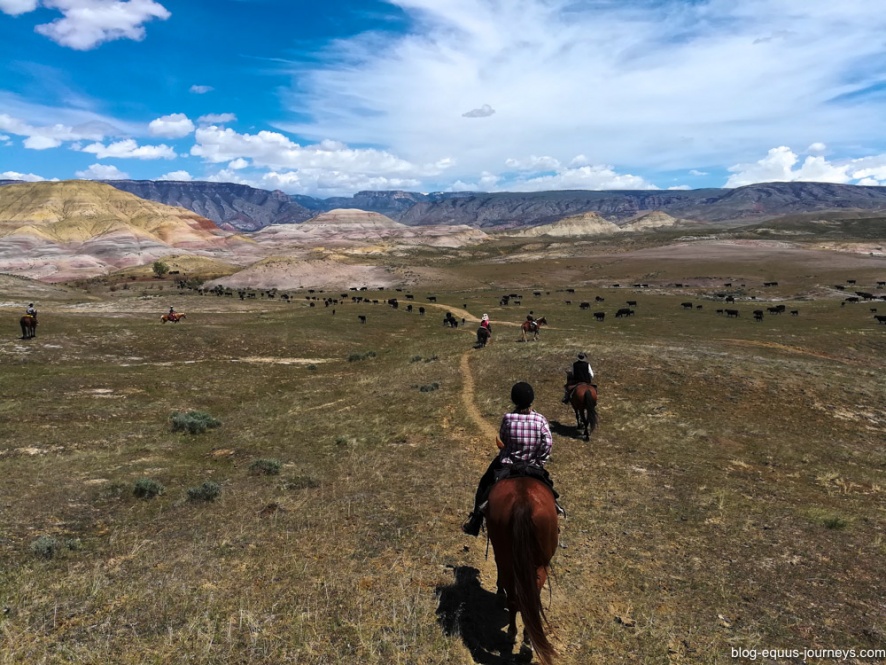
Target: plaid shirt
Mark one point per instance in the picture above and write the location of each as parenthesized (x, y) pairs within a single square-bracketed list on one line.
[(527, 438)]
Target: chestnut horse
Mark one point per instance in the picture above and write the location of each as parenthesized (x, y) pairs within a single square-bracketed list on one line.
[(521, 519), (532, 327), (172, 318), (584, 403), (29, 326)]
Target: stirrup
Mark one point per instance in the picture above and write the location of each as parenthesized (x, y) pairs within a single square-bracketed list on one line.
[(560, 509)]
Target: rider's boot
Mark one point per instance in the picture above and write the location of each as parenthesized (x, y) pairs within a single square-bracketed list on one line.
[(472, 526)]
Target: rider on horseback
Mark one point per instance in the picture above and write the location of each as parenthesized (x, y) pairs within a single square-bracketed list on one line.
[(581, 372), (524, 439), (30, 311), (532, 323)]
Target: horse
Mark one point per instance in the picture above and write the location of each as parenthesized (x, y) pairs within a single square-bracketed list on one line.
[(532, 327), (483, 336), (29, 326), (172, 318), (584, 403), (521, 519)]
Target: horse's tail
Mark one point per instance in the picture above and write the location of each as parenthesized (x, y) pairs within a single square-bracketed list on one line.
[(526, 555), (591, 408)]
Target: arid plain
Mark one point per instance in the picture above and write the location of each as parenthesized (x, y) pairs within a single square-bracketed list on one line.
[(732, 497)]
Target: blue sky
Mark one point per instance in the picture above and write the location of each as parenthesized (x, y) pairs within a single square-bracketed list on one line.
[(330, 98)]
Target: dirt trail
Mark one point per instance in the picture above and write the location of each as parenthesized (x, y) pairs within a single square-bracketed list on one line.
[(792, 349), (487, 431)]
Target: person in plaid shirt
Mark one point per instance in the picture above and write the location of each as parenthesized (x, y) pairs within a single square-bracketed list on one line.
[(524, 438)]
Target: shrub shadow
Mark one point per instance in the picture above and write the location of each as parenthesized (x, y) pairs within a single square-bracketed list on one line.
[(478, 616)]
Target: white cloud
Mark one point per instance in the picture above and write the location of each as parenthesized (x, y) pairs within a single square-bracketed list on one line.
[(182, 176), (102, 172), (173, 126), (678, 188), (623, 86), (238, 164), (129, 149), (869, 182), (27, 177), (818, 146), (275, 151), (216, 118), (38, 142), (89, 23), (483, 112), (534, 163), (201, 89), (16, 7), (584, 177), (52, 136), (778, 166), (697, 172)]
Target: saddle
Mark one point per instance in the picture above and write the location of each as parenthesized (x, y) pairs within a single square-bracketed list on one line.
[(525, 470), (570, 387)]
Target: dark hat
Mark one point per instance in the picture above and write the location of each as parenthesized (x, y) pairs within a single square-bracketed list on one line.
[(522, 395), (581, 356)]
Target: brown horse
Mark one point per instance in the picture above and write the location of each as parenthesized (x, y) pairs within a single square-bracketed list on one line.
[(532, 327), (484, 335), (584, 403), (521, 519), (29, 326), (172, 318)]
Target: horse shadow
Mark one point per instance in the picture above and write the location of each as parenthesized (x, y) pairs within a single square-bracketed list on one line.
[(569, 430), (479, 617)]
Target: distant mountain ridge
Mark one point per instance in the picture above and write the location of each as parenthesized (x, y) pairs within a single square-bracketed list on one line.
[(242, 208)]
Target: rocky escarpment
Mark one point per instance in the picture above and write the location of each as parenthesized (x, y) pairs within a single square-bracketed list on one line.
[(233, 207)]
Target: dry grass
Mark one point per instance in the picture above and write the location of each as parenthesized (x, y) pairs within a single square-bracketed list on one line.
[(733, 495)]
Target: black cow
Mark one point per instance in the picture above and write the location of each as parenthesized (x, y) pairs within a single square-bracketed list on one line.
[(421, 311), (432, 298), (731, 312), (362, 318), (758, 315), (632, 303), (599, 315), (624, 311), (881, 318), (686, 305), (585, 305)]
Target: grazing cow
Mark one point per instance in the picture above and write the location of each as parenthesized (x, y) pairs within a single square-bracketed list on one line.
[(362, 318), (432, 298), (881, 283), (795, 312), (728, 284), (408, 308), (730, 299), (758, 311), (585, 305), (624, 311), (699, 306), (839, 287), (850, 281), (732, 312), (873, 310), (536, 293), (865, 295), (851, 299), (686, 305), (567, 302), (570, 290), (881, 318), (599, 315), (421, 311), (773, 310), (719, 311), (599, 298), (409, 296), (632, 303), (758, 315)]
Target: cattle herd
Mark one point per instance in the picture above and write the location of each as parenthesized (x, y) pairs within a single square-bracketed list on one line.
[(515, 299)]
